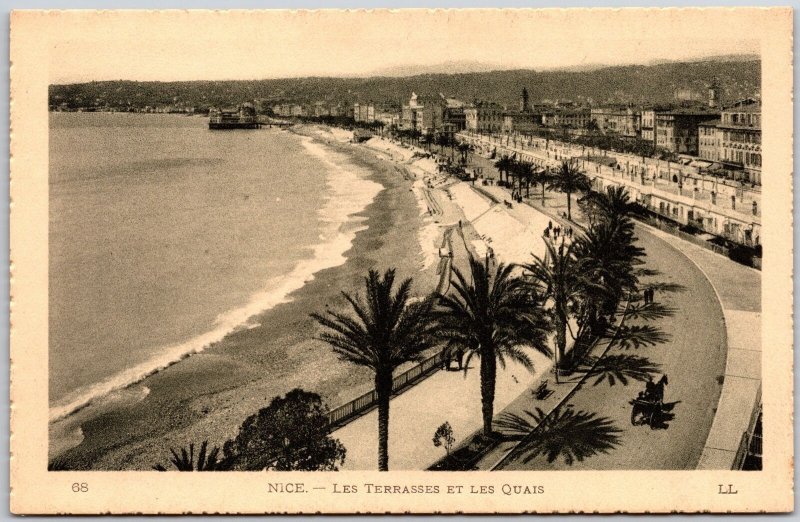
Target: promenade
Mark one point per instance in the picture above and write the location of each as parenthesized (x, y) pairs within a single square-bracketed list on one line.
[(647, 346), (714, 377)]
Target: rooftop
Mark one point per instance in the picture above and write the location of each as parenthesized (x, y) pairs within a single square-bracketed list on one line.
[(752, 108), (685, 111)]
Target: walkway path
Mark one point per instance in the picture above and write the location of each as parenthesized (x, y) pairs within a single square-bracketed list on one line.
[(446, 396)]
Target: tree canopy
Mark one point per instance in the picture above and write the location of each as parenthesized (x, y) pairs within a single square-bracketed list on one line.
[(290, 434)]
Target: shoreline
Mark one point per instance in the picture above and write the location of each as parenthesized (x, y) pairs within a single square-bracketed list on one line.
[(358, 192), (115, 436)]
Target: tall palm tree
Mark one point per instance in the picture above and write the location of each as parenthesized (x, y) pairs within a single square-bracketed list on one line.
[(569, 179), (542, 177), (562, 278), (386, 331), (464, 149), (525, 173), (609, 253), (442, 140), (504, 165), (429, 139), (493, 316), (613, 204)]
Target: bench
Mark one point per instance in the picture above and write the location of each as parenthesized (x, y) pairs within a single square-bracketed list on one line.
[(542, 392)]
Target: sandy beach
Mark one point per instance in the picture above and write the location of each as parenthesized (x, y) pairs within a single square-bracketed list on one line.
[(208, 395)]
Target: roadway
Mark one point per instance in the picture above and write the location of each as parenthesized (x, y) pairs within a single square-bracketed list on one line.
[(692, 353)]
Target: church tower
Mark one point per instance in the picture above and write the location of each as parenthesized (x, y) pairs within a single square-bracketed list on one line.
[(714, 94), (524, 102)]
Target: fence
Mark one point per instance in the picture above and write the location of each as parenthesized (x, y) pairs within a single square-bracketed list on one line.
[(675, 231), (346, 412), (751, 442)]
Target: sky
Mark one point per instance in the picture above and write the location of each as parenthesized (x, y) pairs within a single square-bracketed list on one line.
[(214, 45)]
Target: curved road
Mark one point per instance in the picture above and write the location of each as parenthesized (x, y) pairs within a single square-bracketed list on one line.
[(693, 356)]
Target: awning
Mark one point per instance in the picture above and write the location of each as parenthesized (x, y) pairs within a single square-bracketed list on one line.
[(701, 164)]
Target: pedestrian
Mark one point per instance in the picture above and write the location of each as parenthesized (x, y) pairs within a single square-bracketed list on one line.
[(549, 225), (652, 294)]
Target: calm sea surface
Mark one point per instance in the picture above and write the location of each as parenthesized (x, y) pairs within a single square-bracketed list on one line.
[(164, 236)]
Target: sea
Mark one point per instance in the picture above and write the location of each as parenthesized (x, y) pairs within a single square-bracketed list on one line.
[(164, 237)]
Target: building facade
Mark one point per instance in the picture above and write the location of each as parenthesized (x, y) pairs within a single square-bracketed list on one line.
[(709, 141), (677, 130), (423, 114), (521, 121), (740, 144), (623, 121), (364, 112), (484, 117), (569, 117), (648, 125)]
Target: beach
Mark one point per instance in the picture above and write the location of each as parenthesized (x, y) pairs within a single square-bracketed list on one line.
[(206, 396)]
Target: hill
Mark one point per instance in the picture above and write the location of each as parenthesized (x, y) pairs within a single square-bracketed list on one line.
[(635, 84)]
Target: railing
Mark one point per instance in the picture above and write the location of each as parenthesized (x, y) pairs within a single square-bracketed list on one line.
[(688, 237), (348, 411), (751, 442)]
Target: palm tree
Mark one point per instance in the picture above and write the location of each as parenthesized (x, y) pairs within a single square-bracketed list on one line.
[(613, 204), (387, 330), (504, 165), (609, 254), (206, 461), (525, 174), (429, 139), (609, 246), (570, 179), (542, 177), (442, 140), (494, 316), (562, 278), (464, 149)]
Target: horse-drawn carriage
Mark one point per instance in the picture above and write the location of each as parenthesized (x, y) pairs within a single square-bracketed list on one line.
[(649, 404)]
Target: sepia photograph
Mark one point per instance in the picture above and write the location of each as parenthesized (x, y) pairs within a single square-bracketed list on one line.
[(409, 241)]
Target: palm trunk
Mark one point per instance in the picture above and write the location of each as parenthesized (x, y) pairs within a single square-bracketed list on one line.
[(488, 377), (383, 388), (569, 206), (543, 187), (561, 343)]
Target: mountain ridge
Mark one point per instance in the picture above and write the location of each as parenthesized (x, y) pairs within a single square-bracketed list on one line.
[(619, 84)]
